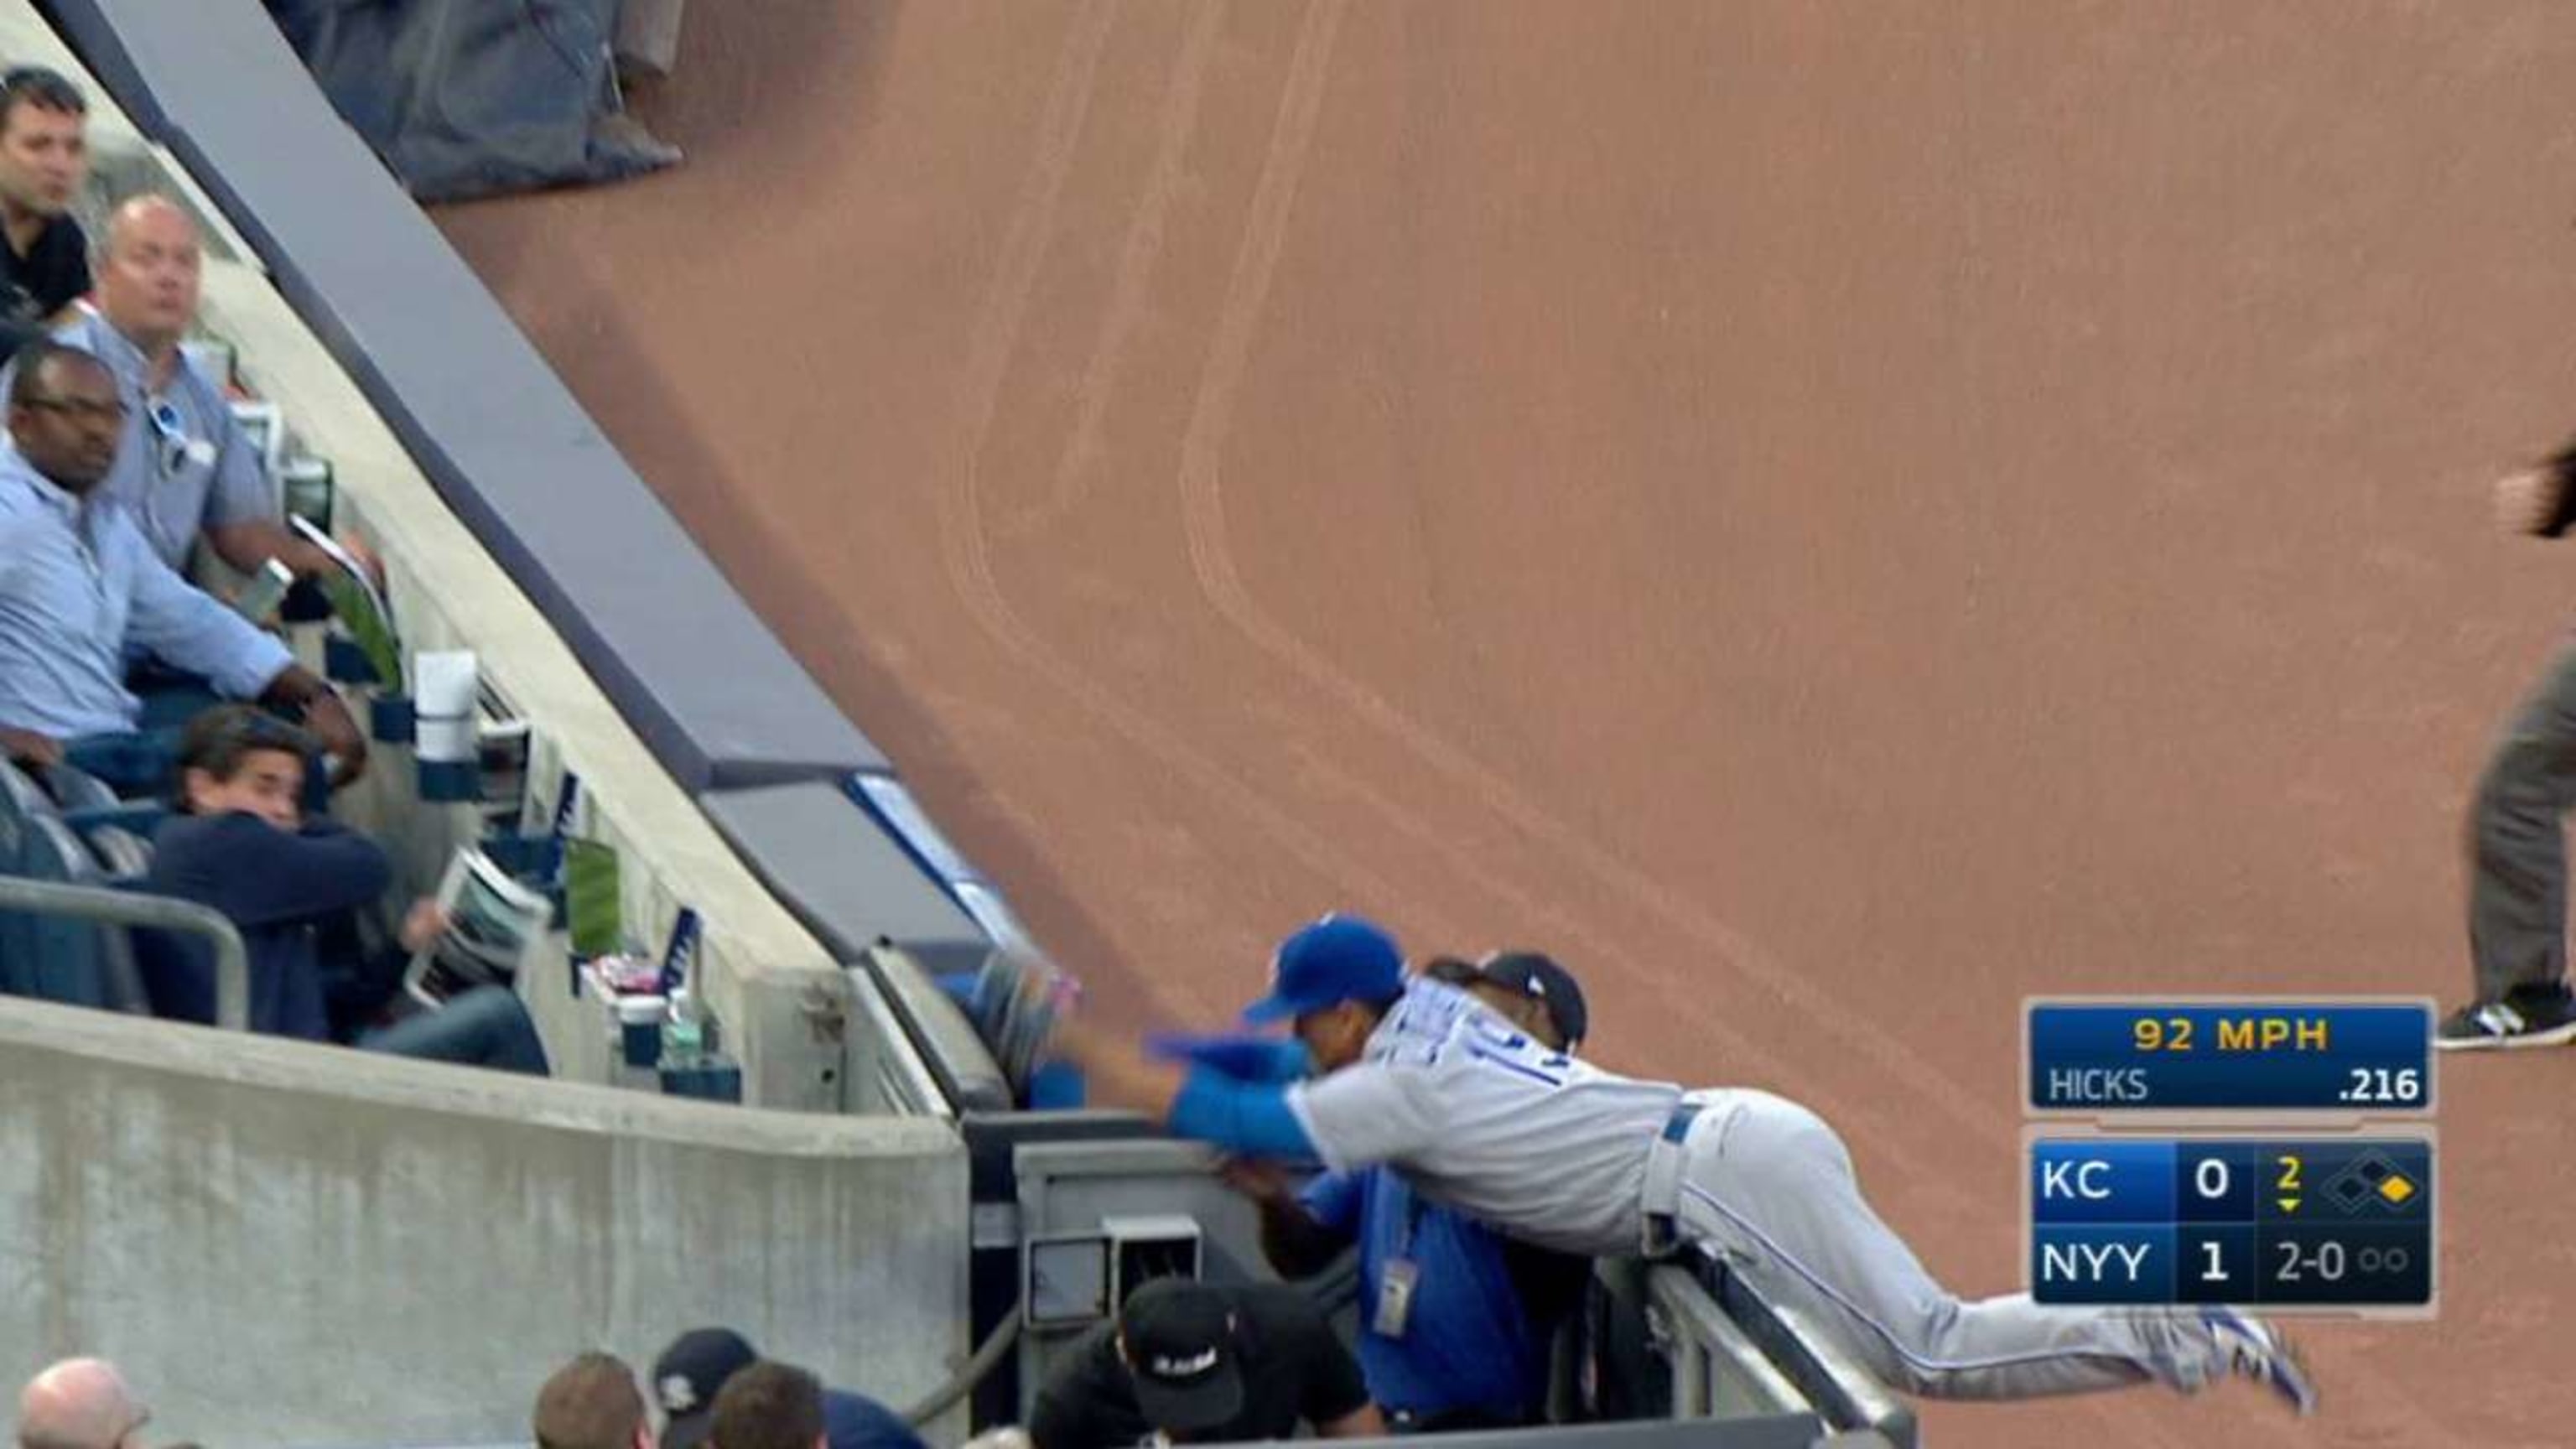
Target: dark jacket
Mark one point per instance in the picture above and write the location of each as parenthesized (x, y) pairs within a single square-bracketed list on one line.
[(279, 889)]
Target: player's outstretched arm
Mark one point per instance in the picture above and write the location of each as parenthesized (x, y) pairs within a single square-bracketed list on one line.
[(1114, 1073), (1248, 1119)]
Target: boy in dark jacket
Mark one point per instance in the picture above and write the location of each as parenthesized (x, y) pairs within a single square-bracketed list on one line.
[(242, 845)]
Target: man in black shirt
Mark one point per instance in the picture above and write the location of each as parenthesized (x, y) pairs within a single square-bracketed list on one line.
[(1190, 1362), (44, 161)]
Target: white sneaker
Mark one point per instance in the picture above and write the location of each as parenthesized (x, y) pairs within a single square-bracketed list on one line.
[(2262, 1353)]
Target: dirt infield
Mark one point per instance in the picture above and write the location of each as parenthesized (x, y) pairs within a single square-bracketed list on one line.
[(1829, 517)]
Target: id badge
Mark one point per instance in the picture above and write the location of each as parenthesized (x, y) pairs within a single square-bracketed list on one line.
[(1395, 1296)]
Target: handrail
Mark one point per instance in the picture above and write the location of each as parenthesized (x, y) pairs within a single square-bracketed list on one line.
[(125, 908), (941, 1033), (1838, 1384)]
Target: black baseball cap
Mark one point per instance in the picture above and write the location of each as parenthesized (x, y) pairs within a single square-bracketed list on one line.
[(1178, 1336), (1448, 970), (1529, 973), (687, 1376)]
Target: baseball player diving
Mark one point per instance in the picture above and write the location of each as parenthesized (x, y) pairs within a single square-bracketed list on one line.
[(1420, 1075)]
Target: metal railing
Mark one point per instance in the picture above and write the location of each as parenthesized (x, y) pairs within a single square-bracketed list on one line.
[(1736, 1350), (121, 908)]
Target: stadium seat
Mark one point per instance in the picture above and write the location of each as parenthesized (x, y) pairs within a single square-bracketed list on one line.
[(126, 854), (21, 802), (20, 799), (61, 954), (125, 858), (76, 789)]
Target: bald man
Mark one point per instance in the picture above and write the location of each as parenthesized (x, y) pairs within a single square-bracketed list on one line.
[(184, 468), (80, 1403)]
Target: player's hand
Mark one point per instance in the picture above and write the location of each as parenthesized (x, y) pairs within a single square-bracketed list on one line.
[(1257, 1178), (1019, 1006), (30, 747), (1267, 1060), (2526, 502)]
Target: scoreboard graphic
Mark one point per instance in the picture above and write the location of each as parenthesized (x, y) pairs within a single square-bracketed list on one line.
[(2264, 1153), (2320, 1223)]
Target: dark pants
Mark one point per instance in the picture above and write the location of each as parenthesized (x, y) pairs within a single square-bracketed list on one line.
[(2517, 849), (484, 1027)]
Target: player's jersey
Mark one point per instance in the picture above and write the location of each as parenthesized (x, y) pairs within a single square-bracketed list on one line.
[(1479, 1116)]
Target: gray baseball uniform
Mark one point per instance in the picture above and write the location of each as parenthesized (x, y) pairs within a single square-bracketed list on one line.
[(1572, 1157)]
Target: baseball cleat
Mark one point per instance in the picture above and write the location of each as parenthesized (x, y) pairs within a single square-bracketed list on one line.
[(2524, 1017), (2262, 1353)]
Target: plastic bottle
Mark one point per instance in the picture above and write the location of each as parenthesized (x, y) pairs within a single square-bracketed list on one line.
[(683, 1034)]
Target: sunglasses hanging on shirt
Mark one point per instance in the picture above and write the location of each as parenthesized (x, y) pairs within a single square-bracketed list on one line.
[(177, 448)]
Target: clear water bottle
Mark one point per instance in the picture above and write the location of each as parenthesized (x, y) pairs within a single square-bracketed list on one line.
[(683, 1034)]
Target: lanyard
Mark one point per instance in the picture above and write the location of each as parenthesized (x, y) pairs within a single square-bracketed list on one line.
[(1411, 1202)]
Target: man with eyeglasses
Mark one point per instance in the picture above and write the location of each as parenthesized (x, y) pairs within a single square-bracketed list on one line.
[(44, 162), (184, 467), (80, 1403), (78, 582)]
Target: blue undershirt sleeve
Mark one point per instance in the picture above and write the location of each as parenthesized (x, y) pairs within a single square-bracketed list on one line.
[(1243, 1117)]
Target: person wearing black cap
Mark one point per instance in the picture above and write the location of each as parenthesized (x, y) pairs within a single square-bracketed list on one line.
[(1455, 1320), (1191, 1362), (1536, 994), (693, 1370)]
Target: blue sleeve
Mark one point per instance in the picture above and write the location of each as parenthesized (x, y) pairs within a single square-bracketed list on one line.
[(1333, 1200), (187, 627), (1244, 1117), (258, 875)]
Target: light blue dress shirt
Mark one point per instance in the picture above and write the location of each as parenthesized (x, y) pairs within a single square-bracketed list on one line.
[(78, 583), (183, 464)]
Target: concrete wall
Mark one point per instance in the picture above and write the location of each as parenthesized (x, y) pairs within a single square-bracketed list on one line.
[(294, 1244)]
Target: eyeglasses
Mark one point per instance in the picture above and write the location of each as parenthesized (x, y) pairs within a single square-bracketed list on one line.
[(111, 411)]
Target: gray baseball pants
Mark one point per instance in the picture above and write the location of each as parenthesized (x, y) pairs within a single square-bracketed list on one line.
[(1765, 1183), (2517, 851)]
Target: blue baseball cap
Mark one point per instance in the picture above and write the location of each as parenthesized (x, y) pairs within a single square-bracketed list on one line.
[(1337, 959)]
